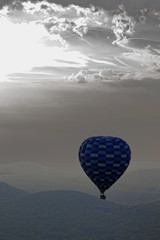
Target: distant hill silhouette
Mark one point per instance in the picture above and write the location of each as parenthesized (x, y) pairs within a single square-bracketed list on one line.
[(8, 192), (62, 215), (133, 187), (138, 186)]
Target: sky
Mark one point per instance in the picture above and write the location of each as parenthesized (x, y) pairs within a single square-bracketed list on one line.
[(73, 71)]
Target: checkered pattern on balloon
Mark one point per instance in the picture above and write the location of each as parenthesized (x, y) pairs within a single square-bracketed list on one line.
[(104, 160)]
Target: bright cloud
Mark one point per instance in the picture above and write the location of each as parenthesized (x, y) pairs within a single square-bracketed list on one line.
[(90, 44), (122, 26), (57, 18), (27, 41), (136, 61)]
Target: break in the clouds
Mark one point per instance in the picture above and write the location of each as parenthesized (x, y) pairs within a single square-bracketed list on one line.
[(49, 41)]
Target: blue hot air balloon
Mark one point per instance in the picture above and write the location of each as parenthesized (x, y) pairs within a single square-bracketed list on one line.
[(104, 160)]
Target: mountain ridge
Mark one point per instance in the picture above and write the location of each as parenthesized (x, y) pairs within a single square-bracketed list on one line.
[(8, 192), (75, 215), (133, 187)]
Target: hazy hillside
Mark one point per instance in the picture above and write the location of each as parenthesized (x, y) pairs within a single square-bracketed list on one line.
[(68, 215), (8, 192), (134, 186), (137, 186)]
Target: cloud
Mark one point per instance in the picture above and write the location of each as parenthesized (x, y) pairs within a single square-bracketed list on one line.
[(142, 15), (110, 76), (101, 76), (80, 77), (141, 76), (148, 15), (137, 65), (58, 20), (72, 19), (56, 30), (83, 76), (122, 26)]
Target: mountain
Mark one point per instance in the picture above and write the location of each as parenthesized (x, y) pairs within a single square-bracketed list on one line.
[(133, 187), (8, 192), (136, 186), (67, 215)]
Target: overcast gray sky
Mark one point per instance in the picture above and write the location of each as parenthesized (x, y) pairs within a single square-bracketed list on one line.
[(47, 123), (71, 72)]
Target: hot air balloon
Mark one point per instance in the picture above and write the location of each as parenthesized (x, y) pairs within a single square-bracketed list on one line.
[(104, 160)]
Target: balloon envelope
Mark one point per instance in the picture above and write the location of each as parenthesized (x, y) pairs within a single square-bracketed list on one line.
[(104, 160)]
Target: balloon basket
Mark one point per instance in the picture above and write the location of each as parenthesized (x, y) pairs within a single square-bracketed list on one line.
[(103, 197)]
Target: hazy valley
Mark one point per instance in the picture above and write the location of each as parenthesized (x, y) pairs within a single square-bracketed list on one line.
[(68, 215)]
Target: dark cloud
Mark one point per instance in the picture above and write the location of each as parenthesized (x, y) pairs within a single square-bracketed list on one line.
[(5, 2), (131, 6), (142, 11)]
